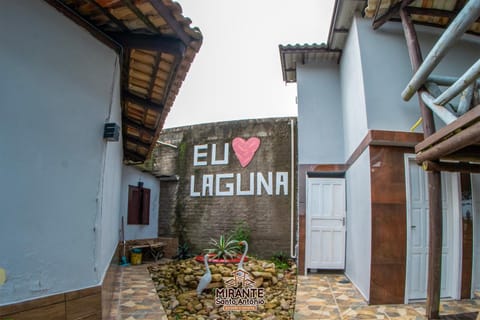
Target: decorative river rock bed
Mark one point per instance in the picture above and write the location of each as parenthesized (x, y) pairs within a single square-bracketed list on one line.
[(176, 282)]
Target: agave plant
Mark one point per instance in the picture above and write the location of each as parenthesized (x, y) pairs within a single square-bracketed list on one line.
[(224, 248)]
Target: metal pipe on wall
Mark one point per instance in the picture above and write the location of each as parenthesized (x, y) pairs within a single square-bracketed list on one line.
[(293, 253)]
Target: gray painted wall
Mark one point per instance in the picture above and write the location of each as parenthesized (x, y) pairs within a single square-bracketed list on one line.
[(319, 112), (55, 95), (359, 224), (131, 176)]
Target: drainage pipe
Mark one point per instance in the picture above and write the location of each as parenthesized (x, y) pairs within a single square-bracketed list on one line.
[(293, 252)]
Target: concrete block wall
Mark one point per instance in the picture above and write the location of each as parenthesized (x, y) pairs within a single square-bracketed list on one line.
[(196, 209)]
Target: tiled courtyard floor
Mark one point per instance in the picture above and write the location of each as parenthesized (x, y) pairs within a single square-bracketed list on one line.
[(332, 296), (136, 297), (319, 297)]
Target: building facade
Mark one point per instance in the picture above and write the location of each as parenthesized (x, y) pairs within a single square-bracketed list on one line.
[(62, 80), (362, 197)]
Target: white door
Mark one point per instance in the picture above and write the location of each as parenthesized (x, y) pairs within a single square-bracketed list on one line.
[(325, 219), (476, 232), (418, 233)]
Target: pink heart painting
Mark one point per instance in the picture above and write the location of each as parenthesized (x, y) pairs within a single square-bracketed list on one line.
[(245, 150)]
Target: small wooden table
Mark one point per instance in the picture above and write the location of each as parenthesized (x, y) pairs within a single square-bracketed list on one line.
[(156, 249)]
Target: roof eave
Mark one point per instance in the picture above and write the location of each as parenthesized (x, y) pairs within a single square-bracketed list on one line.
[(179, 45)]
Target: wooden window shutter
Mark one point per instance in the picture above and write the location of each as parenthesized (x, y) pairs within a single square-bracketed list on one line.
[(145, 214), (138, 205)]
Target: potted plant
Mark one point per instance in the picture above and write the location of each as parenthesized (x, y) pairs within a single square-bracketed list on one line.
[(223, 250)]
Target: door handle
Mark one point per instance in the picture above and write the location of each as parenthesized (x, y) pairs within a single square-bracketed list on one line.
[(413, 227), (343, 221)]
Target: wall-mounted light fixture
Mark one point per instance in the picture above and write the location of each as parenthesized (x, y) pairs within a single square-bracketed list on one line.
[(111, 131)]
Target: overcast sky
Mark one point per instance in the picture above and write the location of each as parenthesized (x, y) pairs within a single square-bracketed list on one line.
[(237, 73)]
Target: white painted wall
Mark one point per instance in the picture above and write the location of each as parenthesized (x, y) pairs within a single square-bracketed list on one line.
[(374, 70), (353, 95), (55, 94), (359, 224), (131, 176), (387, 70), (320, 118), (109, 215), (476, 231)]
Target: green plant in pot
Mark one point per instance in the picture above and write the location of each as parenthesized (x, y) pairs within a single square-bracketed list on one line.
[(223, 248)]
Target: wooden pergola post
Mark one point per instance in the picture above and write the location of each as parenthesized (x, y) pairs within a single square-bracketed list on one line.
[(434, 182)]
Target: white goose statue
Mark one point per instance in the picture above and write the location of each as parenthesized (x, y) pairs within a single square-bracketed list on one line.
[(205, 279), (240, 264)]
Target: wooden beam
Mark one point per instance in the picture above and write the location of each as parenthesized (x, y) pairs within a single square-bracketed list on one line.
[(153, 74), (137, 141), (110, 16), (142, 101), (459, 5), (465, 100), (137, 126), (464, 138), (416, 60), (125, 65), (455, 30), (140, 15), (434, 183), (392, 11), (150, 42), (171, 21), (435, 25), (443, 113), (467, 154), (472, 115), (86, 24), (433, 12), (442, 80), (170, 81), (435, 91), (435, 229), (171, 77), (377, 10), (470, 76), (476, 94), (451, 167)]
